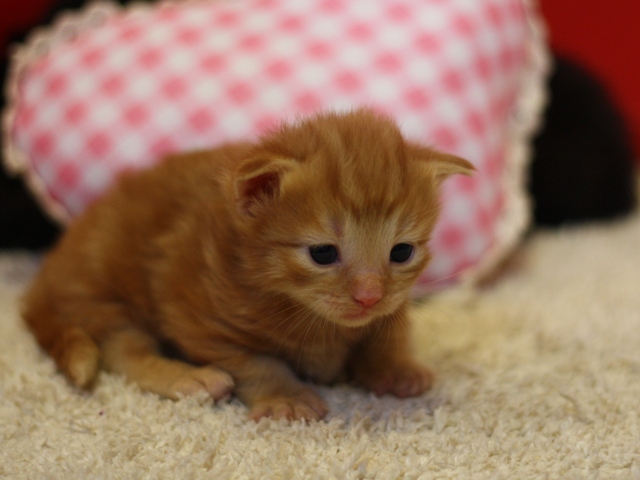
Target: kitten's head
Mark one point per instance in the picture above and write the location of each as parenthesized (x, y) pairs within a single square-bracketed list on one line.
[(336, 212)]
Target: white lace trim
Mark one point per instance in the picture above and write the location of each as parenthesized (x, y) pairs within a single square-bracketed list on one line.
[(524, 124)]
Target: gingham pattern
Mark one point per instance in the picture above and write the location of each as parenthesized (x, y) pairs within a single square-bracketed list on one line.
[(179, 77)]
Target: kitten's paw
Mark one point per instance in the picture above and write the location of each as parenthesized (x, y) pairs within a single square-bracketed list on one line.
[(402, 381), (306, 405), (213, 381)]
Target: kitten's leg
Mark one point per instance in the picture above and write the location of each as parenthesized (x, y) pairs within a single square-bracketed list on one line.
[(383, 363), (271, 389), (135, 354)]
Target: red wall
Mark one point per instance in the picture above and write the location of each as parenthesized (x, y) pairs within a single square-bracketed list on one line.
[(603, 35), (18, 15)]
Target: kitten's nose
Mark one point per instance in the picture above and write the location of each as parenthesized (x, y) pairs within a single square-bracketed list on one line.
[(367, 289), (368, 301)]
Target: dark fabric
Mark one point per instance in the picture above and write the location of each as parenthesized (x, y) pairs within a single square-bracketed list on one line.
[(584, 165)]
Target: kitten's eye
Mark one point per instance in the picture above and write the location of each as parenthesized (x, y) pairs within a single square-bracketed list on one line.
[(401, 252), (323, 254)]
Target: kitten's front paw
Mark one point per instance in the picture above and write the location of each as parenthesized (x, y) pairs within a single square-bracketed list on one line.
[(213, 381), (401, 380), (306, 405)]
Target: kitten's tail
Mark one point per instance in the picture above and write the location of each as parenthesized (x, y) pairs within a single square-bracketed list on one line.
[(77, 355), (72, 348)]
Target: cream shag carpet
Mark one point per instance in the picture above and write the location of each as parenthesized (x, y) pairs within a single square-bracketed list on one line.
[(538, 377)]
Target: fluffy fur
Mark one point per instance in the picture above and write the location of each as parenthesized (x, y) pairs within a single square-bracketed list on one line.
[(209, 253)]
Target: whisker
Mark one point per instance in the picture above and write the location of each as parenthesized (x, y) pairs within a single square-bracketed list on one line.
[(293, 327), (284, 320), (278, 312), (397, 319), (302, 344), (390, 320)]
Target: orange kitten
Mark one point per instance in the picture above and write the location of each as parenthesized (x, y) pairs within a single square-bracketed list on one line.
[(260, 263)]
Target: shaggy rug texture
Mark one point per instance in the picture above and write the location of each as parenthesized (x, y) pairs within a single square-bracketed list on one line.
[(538, 377)]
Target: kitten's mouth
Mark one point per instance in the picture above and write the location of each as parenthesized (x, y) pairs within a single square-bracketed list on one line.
[(352, 315)]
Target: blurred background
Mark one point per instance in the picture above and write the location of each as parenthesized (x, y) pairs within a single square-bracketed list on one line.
[(586, 155), (604, 38)]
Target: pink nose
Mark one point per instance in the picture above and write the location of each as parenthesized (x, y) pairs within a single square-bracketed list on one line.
[(367, 289), (367, 299)]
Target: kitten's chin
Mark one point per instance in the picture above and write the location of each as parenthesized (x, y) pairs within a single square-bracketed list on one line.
[(353, 323), (354, 320)]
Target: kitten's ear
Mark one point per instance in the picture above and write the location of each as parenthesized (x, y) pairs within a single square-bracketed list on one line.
[(446, 165), (441, 164), (258, 181)]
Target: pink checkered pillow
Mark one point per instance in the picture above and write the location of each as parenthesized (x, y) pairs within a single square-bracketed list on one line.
[(113, 89)]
